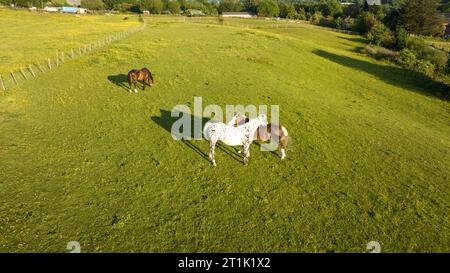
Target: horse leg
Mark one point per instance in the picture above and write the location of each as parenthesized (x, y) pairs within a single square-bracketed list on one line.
[(282, 145), (246, 151), (143, 84), (212, 146), (135, 88)]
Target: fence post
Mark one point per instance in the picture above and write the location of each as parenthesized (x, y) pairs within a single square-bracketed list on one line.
[(40, 67), (49, 64), (14, 78), (1, 82), (31, 70), (23, 73)]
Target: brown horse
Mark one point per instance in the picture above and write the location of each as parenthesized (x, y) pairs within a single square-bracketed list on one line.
[(265, 133), (143, 75)]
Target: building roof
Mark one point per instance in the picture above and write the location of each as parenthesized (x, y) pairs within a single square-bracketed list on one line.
[(239, 13), (373, 2)]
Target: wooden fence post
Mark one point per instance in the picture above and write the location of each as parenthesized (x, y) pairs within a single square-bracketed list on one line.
[(1, 82), (14, 78), (40, 67), (31, 70), (49, 64), (23, 73)]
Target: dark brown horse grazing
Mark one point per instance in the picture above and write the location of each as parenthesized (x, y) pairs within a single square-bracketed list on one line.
[(143, 75)]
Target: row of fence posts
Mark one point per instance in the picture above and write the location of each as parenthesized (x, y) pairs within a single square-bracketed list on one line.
[(15, 77)]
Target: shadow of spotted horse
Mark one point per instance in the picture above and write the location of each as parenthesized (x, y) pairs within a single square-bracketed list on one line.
[(165, 121)]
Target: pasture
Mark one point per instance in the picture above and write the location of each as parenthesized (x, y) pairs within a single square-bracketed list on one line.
[(81, 159)]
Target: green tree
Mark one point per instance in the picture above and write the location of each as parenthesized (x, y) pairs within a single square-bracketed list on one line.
[(153, 6), (380, 35), (268, 8), (330, 7), (173, 6), (420, 17), (230, 6), (365, 22), (92, 4), (251, 5)]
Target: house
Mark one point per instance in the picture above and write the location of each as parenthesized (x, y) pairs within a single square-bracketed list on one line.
[(373, 2), (194, 12), (69, 10), (73, 10), (51, 9), (239, 14)]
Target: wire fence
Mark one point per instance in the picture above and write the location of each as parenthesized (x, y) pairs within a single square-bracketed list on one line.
[(18, 76)]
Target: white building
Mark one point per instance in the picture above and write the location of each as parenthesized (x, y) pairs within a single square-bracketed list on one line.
[(239, 14), (373, 2)]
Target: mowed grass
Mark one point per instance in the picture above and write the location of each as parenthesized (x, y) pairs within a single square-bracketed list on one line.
[(83, 160), (31, 37)]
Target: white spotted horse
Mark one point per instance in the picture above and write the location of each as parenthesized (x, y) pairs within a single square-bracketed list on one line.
[(232, 136)]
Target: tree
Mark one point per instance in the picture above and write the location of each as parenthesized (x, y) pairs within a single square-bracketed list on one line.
[(420, 17), (173, 6), (153, 6), (111, 4), (330, 7), (268, 8), (251, 5), (380, 35), (92, 4), (230, 6)]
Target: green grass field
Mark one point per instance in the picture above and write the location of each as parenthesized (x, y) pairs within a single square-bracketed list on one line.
[(84, 160)]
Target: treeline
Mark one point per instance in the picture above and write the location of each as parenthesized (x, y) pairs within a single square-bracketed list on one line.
[(395, 25)]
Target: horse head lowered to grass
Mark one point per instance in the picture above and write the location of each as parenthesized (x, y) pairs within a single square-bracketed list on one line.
[(143, 75), (265, 133)]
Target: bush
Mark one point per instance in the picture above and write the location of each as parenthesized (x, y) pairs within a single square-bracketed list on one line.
[(407, 58), (425, 67), (423, 51), (401, 38), (380, 35), (365, 22), (301, 14), (153, 6), (316, 17), (381, 53)]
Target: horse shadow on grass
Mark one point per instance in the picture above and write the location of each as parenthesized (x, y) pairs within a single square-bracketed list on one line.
[(403, 78), (165, 121), (121, 80)]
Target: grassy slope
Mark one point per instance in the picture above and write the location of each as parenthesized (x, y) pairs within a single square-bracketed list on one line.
[(84, 160), (28, 35)]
